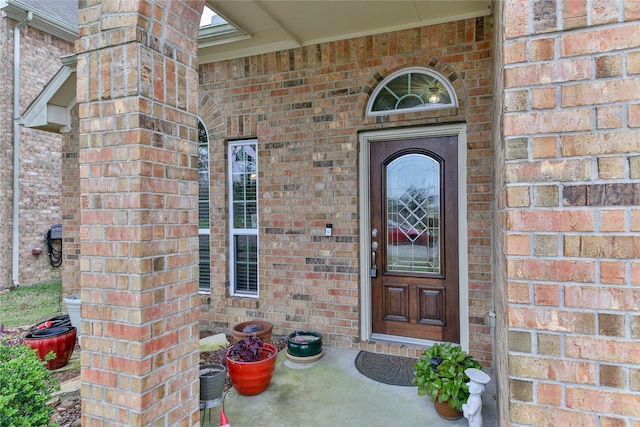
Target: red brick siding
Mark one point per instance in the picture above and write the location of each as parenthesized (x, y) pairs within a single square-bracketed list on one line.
[(306, 107), (569, 143), (40, 156), (71, 208)]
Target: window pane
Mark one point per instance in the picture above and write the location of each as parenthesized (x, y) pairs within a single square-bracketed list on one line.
[(244, 186), (399, 85), (246, 266), (203, 208), (413, 90), (413, 214), (203, 177), (243, 176), (244, 215), (205, 263)]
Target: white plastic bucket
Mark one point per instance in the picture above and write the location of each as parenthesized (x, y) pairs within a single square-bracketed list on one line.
[(73, 308)]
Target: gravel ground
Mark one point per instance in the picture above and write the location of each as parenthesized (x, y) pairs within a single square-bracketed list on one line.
[(67, 412)]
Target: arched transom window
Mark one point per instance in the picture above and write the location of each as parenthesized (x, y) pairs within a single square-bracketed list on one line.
[(412, 90)]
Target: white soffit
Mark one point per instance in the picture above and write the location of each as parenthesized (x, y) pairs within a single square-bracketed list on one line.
[(272, 25), (51, 110)]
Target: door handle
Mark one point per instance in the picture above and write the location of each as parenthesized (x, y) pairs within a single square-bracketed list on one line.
[(374, 268), (374, 248)]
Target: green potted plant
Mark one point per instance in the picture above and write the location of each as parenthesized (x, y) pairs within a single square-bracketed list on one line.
[(250, 363), (439, 374)]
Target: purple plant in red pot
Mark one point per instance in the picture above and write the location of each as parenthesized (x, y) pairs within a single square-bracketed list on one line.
[(251, 363)]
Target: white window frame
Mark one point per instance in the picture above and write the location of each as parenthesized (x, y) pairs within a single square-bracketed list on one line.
[(233, 232), (205, 231), (415, 70)]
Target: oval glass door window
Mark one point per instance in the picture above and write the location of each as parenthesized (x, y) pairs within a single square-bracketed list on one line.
[(413, 214)]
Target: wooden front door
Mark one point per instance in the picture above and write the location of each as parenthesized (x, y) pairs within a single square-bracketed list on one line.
[(414, 238)]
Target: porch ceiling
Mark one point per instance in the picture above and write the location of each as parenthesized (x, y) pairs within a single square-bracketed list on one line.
[(263, 26), (271, 25)]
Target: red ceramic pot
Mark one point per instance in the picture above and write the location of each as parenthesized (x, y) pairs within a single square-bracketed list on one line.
[(60, 340), (251, 378)]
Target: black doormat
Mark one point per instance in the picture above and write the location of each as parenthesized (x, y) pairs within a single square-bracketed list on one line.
[(384, 368)]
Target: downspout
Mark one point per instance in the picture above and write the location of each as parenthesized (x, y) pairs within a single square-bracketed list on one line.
[(16, 149)]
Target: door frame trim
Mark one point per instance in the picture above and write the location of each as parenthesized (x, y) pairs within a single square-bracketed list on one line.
[(365, 139)]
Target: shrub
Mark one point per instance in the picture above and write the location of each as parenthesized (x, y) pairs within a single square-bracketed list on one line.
[(26, 387)]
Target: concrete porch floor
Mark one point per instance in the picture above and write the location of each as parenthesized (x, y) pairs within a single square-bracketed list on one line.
[(327, 393), (330, 393)]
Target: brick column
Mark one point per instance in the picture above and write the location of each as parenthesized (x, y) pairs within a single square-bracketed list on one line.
[(570, 219), (70, 209), (137, 95)]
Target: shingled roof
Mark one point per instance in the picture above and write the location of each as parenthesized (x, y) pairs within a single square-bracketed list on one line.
[(61, 10), (56, 17)]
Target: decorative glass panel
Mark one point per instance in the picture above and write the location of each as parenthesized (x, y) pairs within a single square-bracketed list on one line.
[(413, 214), (412, 90)]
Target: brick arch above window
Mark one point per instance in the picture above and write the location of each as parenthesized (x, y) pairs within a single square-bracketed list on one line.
[(211, 117)]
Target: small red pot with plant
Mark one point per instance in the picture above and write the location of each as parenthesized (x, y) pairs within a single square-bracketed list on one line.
[(251, 363)]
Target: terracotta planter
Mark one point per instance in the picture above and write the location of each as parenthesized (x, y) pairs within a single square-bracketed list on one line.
[(445, 411), (251, 378), (60, 340), (256, 328)]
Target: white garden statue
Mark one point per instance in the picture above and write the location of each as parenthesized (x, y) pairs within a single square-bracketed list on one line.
[(472, 410)]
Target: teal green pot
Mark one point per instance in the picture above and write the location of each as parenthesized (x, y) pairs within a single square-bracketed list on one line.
[(304, 343)]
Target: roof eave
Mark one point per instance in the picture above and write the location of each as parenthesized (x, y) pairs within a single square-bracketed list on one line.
[(51, 110)]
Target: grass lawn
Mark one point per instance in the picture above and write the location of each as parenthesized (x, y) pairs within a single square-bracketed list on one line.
[(28, 305)]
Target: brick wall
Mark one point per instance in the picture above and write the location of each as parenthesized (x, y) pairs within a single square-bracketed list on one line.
[(306, 107), (40, 156), (71, 208), (570, 223)]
